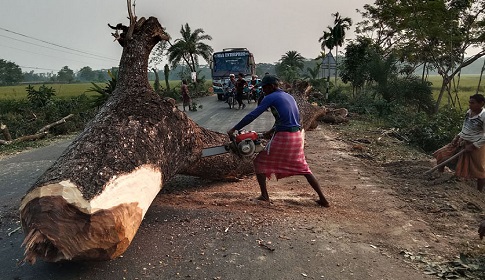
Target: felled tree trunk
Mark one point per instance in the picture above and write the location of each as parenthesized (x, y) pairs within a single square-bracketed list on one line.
[(89, 204)]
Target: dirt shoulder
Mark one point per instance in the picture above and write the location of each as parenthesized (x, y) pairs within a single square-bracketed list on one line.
[(378, 194)]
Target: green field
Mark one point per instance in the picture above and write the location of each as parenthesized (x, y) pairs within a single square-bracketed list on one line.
[(62, 90), (468, 86)]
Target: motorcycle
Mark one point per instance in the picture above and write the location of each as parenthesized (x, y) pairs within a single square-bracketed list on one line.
[(254, 93), (231, 97)]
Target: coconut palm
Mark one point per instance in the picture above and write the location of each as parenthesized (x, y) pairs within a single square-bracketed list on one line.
[(189, 48), (338, 32), (291, 64), (293, 59), (327, 41)]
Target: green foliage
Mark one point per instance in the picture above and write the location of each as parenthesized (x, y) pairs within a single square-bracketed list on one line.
[(23, 119), (355, 67), (106, 92), (367, 104), (412, 92), (197, 89), (40, 98), (290, 66), (428, 132), (189, 48), (327, 40), (10, 73), (312, 73), (62, 90), (406, 114), (86, 74), (339, 28), (65, 75), (438, 36)]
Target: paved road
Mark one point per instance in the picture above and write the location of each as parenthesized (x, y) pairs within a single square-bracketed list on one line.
[(195, 244), (217, 116)]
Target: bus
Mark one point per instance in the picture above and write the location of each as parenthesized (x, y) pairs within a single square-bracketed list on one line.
[(230, 61)]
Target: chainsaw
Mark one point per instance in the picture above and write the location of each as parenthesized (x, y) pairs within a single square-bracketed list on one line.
[(243, 144)]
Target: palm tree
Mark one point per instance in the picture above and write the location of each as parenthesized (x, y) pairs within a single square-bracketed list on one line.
[(291, 63), (312, 73), (189, 48), (327, 41), (338, 30), (293, 59)]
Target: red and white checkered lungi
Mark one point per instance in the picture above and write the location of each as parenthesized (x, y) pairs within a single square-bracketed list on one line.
[(285, 157)]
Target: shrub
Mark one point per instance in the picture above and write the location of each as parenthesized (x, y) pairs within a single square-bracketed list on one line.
[(40, 98)]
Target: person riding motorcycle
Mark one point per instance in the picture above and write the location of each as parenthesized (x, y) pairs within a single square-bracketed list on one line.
[(230, 86), (254, 89)]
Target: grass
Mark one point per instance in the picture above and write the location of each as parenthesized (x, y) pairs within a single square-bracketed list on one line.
[(68, 90), (62, 90), (467, 87)]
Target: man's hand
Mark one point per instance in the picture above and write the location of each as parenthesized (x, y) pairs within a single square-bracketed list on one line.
[(230, 132), (454, 142), (481, 229)]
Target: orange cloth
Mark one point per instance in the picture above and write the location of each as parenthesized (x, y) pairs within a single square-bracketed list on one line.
[(468, 165)]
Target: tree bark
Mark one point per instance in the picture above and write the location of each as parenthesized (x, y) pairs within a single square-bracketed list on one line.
[(89, 204)]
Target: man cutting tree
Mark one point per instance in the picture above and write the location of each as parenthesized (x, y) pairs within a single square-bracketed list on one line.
[(283, 155)]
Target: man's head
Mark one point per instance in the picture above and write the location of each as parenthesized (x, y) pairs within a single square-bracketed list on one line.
[(231, 76), (476, 102), (269, 83), (240, 75)]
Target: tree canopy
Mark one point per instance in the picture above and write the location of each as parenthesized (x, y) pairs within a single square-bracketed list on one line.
[(65, 75), (290, 66), (86, 74), (437, 33), (190, 47), (10, 73)]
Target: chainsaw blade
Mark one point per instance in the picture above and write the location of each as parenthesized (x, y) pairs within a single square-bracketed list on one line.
[(213, 151)]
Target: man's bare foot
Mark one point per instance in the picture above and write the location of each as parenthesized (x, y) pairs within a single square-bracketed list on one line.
[(262, 198), (323, 203)]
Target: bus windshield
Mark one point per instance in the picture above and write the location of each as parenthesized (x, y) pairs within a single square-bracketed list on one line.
[(225, 63)]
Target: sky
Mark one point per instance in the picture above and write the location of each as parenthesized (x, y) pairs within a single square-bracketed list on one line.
[(46, 35)]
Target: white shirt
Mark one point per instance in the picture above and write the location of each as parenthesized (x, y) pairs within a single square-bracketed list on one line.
[(473, 129)]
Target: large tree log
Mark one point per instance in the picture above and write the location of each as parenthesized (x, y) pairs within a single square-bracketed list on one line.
[(89, 204)]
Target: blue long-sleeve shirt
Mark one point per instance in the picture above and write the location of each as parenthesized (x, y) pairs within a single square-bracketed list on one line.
[(283, 107)]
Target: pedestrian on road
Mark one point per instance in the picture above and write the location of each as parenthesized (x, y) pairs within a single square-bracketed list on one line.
[(186, 100), (471, 163), (283, 155), (240, 85)]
